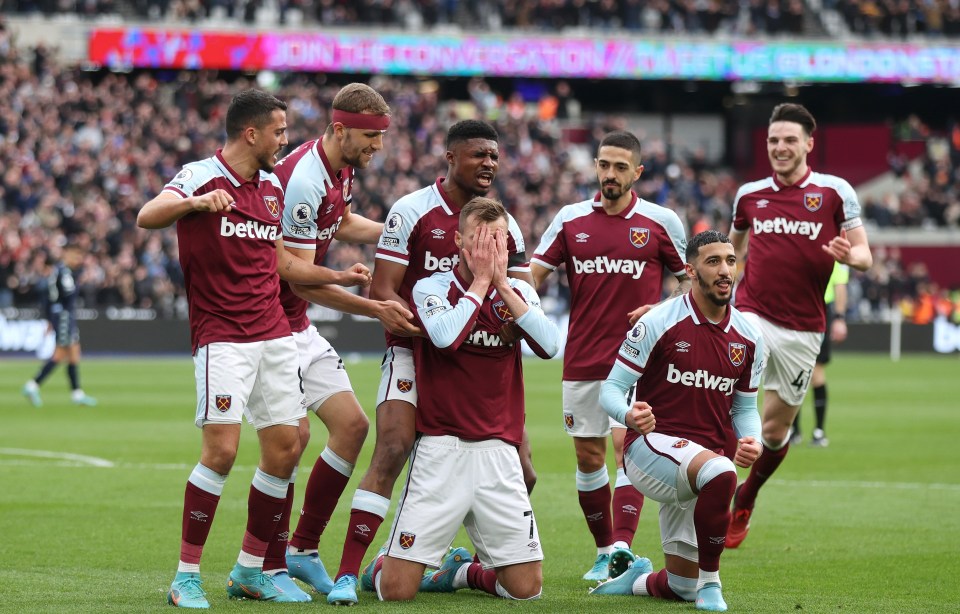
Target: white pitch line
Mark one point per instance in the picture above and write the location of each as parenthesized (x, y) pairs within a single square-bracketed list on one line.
[(81, 460), (65, 459)]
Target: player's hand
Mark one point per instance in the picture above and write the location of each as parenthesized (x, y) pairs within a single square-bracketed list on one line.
[(838, 330), (397, 319), (482, 255), (500, 261), (748, 451), (839, 248), (357, 275), (637, 313), (510, 332), (212, 202), (640, 418)]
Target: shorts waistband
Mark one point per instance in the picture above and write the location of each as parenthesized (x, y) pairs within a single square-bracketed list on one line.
[(449, 441)]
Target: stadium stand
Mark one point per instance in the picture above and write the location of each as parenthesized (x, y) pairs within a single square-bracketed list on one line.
[(81, 151)]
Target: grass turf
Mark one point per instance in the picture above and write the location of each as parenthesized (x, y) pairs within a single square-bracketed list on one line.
[(869, 524)]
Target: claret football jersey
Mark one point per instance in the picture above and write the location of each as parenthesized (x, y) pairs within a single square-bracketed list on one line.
[(787, 271), (614, 264), (690, 368), (315, 198), (229, 260), (419, 234)]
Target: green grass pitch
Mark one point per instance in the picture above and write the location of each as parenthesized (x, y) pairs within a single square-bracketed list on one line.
[(91, 499)]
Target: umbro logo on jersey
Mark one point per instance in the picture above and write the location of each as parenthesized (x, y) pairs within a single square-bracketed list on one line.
[(762, 203), (438, 233), (582, 237), (534, 546), (682, 346), (329, 209)]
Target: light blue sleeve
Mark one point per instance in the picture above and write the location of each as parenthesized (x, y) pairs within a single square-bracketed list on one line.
[(394, 243), (446, 325), (743, 413), (541, 333), (613, 392), (191, 177), (301, 202)]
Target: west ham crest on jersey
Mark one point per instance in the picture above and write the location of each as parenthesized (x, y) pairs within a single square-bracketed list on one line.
[(404, 385), (223, 402), (500, 308), (406, 539), (737, 352), (273, 205), (813, 201), (639, 236)]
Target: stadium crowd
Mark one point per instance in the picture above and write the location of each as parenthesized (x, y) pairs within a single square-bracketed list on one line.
[(80, 152)]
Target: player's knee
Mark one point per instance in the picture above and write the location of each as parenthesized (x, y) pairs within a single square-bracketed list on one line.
[(523, 588), (589, 458), (393, 589), (304, 433), (719, 471), (219, 457)]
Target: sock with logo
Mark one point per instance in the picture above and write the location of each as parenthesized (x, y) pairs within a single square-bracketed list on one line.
[(276, 557), (268, 496), (627, 503), (366, 515), (327, 481), (711, 517), (593, 491), (204, 487), (760, 472)]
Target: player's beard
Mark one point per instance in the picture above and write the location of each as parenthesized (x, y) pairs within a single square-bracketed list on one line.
[(708, 291), (612, 191)]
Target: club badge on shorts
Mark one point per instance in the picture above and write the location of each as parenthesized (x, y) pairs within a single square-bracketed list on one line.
[(223, 402), (568, 420), (404, 385), (406, 540)]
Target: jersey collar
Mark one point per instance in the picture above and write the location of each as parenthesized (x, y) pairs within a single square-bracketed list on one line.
[(628, 211), (698, 317), (231, 174), (334, 178), (778, 185), (448, 205)]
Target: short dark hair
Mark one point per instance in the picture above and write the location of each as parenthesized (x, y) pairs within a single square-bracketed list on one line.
[(486, 209), (470, 129), (251, 108), (796, 113), (623, 140), (707, 237)]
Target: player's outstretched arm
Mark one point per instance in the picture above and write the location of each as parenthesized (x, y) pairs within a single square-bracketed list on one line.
[(358, 229), (539, 274), (395, 317), (168, 207), (294, 270)]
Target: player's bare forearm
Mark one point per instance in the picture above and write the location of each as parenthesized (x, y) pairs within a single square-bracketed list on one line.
[(358, 229), (395, 317), (167, 208), (539, 275), (683, 287), (387, 279)]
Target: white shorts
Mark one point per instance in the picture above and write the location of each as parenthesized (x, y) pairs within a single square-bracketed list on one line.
[(398, 381), (321, 369), (477, 484), (789, 356), (657, 466), (582, 414), (257, 380)]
